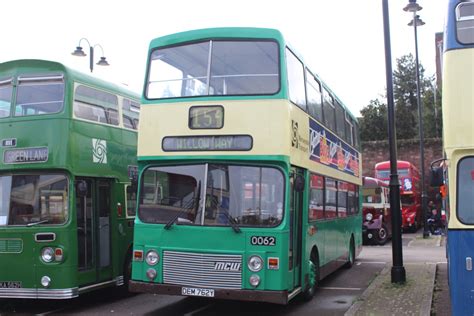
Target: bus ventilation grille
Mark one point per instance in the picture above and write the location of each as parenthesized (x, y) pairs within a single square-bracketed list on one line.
[(217, 271), (11, 245)]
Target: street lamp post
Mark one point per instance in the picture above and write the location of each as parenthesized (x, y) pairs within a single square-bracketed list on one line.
[(80, 53), (412, 6), (398, 274)]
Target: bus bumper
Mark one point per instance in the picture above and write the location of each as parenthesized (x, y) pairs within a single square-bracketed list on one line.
[(276, 297), (52, 294)]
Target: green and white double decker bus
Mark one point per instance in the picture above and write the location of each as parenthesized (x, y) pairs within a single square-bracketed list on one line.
[(249, 185), (68, 149)]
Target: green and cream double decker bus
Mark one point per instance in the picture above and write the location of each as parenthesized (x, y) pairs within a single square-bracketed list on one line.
[(68, 150), (249, 184)]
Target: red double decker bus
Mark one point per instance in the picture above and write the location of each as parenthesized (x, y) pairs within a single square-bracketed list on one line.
[(410, 194)]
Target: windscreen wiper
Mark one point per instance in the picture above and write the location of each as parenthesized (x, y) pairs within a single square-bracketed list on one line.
[(233, 223), (37, 223), (185, 210)]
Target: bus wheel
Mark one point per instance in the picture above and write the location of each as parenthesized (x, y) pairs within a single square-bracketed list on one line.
[(351, 257), (313, 277), (382, 236)]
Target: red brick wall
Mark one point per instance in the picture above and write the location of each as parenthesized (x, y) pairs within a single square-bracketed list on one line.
[(407, 149)]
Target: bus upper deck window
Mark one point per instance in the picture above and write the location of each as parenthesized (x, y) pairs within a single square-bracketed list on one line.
[(329, 111), (314, 97), (96, 105), (38, 95), (214, 68), (465, 22), (130, 112)]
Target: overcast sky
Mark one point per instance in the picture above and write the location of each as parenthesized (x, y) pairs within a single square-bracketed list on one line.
[(340, 40)]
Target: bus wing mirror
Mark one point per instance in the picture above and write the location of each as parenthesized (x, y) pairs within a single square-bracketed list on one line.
[(131, 189), (81, 188), (299, 183), (437, 177), (134, 184)]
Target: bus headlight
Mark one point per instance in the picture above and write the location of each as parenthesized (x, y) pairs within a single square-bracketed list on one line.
[(152, 257), (254, 280), (151, 274), (45, 281), (255, 263), (47, 254), (369, 216)]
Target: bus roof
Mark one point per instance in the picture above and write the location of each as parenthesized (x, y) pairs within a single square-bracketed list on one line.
[(400, 164), (216, 33), (24, 66)]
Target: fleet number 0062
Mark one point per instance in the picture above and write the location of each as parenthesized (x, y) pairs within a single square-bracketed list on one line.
[(262, 241)]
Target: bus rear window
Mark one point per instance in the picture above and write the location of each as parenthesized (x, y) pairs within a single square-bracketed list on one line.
[(214, 68), (39, 95), (465, 190), (385, 174)]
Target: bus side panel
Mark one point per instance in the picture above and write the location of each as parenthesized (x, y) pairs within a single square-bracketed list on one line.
[(461, 279), (21, 264)]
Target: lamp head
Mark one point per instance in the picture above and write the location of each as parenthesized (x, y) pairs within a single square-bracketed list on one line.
[(102, 62), (418, 21), (412, 6), (79, 52)]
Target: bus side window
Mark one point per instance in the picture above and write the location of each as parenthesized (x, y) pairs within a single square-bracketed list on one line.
[(314, 97), (112, 116), (330, 206), (95, 105), (341, 199), (340, 121), (329, 111), (355, 135), (316, 198), (296, 80), (349, 130), (130, 113), (351, 199)]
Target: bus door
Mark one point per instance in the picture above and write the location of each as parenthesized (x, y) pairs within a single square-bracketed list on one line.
[(93, 204), (296, 208)]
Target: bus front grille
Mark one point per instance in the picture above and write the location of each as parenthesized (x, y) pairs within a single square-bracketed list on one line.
[(8, 245), (204, 270)]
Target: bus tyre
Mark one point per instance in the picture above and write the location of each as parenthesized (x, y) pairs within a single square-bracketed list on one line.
[(351, 256), (127, 274), (313, 277), (382, 235)]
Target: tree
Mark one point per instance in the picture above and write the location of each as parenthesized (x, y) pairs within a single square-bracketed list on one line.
[(406, 106), (373, 123), (432, 114)]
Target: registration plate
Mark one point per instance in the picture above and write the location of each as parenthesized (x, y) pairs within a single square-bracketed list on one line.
[(192, 291), (10, 284)]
